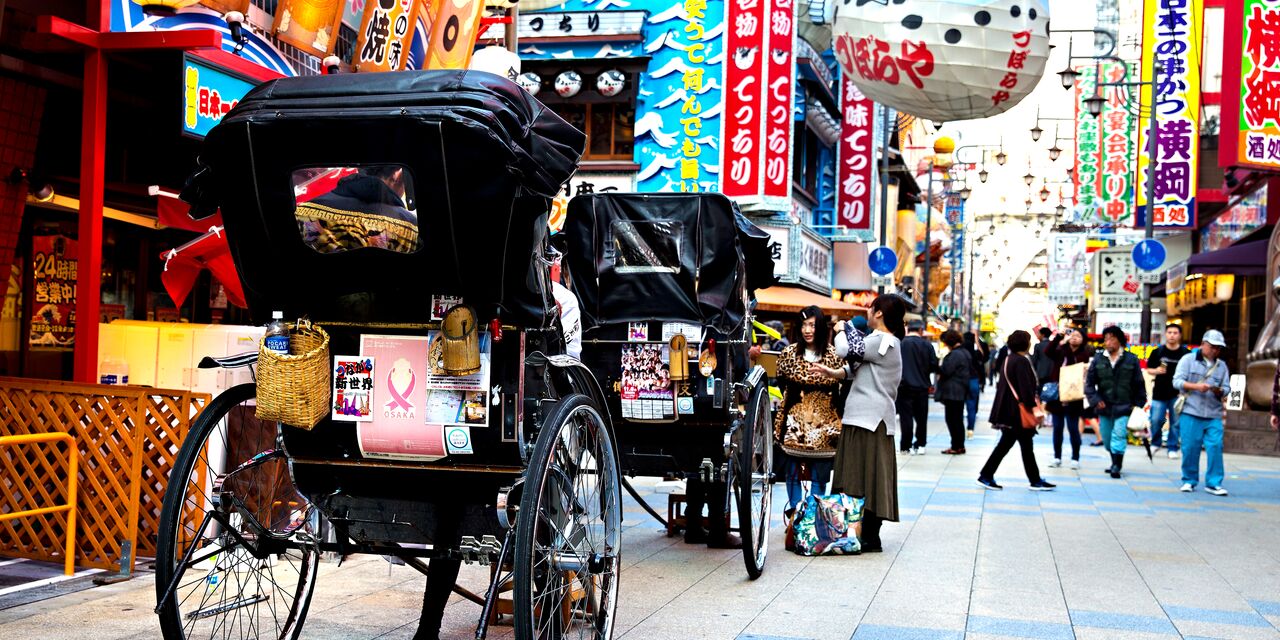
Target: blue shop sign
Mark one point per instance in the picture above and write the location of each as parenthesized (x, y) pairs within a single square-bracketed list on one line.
[(208, 93)]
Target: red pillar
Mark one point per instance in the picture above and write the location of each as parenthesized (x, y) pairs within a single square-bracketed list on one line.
[(93, 150)]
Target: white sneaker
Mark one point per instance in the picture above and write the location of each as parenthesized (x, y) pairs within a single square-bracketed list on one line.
[(1057, 462), (1215, 491), (1187, 487), (1174, 455), (1075, 464), (969, 435), (917, 451)]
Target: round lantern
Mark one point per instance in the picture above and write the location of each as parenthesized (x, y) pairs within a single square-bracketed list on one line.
[(530, 82), (498, 61), (944, 60), (568, 84), (610, 83)]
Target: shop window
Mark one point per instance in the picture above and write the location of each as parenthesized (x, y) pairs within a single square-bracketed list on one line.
[(610, 128)]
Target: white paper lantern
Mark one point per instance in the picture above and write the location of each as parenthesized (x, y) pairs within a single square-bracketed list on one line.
[(944, 60), (610, 83), (568, 84), (498, 61), (530, 82)]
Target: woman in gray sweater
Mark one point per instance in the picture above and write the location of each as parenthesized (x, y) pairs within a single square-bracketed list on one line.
[(865, 465)]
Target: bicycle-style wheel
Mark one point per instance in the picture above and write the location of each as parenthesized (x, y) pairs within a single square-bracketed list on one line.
[(569, 530), (235, 555), (752, 492)]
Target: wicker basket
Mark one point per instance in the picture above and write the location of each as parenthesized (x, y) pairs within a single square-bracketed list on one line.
[(296, 389)]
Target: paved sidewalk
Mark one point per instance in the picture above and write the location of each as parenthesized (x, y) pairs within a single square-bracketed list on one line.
[(1098, 558)]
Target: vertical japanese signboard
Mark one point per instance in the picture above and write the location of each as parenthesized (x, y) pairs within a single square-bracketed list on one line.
[(779, 100), (1259, 112), (1171, 40), (1066, 268), (688, 163), (453, 32), (53, 308), (744, 81), (853, 192), (382, 44), (1087, 150), (1116, 149)]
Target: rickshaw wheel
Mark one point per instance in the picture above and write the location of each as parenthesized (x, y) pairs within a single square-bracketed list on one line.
[(220, 586), (569, 530), (751, 481)]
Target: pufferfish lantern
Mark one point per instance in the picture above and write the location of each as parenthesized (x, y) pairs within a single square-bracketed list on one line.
[(568, 84), (944, 59), (610, 83), (530, 82)]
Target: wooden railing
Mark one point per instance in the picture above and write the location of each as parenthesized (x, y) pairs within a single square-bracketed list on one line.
[(37, 495), (127, 439)]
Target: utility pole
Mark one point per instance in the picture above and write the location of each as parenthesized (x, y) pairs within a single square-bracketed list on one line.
[(928, 222), (1148, 228)]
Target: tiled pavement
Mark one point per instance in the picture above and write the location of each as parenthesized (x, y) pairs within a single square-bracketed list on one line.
[(1098, 558)]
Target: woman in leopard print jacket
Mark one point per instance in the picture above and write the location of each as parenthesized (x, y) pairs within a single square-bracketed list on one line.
[(807, 424)]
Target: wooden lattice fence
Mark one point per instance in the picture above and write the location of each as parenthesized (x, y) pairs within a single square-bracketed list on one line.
[(128, 438)]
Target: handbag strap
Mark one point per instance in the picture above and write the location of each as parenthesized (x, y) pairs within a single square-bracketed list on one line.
[(1005, 375)]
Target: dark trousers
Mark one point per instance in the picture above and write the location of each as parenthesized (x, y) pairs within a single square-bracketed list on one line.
[(1072, 425), (712, 495), (1007, 438), (913, 407), (442, 573), (955, 422)]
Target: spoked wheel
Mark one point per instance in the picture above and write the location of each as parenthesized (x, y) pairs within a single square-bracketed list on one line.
[(753, 461), (569, 530), (235, 556)]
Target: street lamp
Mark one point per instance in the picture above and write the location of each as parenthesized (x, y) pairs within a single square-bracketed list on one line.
[(1028, 178), (1061, 209), (1054, 152), (1044, 194), (1036, 131), (965, 193), (1095, 103), (1069, 77), (982, 175), (1001, 157)]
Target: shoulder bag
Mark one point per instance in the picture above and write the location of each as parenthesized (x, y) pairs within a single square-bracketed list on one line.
[(1031, 418), (1182, 397), (1071, 382)]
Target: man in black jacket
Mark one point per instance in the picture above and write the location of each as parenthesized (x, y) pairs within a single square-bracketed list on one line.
[(919, 362), (1040, 357), (1114, 386)]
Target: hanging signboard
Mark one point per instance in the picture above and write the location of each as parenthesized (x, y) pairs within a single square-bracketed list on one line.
[(453, 32), (1066, 268), (1116, 279), (744, 78), (853, 186), (208, 93), (382, 42), (1172, 37), (780, 91), (1258, 143), (310, 25), (572, 24), (1115, 149), (53, 308), (1085, 180)]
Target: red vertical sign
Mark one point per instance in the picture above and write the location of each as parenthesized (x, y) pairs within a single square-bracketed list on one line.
[(779, 98), (854, 186), (744, 92)]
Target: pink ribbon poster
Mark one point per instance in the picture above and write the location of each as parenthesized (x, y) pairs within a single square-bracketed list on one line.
[(398, 430)]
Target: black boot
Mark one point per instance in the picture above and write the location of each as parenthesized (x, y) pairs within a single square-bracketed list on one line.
[(718, 535), (695, 498), (871, 533), (1117, 461)]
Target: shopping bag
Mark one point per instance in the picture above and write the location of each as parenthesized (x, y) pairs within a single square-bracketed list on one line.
[(1139, 420), (1071, 382), (828, 525)]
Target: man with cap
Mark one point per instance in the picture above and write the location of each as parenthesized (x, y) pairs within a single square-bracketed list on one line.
[(1203, 380), (919, 362)]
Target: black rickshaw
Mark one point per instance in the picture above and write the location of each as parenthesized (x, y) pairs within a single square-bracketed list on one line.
[(665, 284), (251, 504)]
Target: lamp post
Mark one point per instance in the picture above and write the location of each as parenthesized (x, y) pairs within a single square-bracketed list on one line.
[(943, 150)]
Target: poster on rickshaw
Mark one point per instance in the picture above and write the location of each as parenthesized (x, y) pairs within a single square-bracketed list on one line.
[(353, 388), (646, 382), (458, 400), (53, 274), (398, 430)]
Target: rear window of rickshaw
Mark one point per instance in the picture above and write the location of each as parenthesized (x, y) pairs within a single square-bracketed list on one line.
[(341, 208), (646, 247)]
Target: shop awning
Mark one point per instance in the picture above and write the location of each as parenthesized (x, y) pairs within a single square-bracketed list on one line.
[(1248, 259), (793, 299)]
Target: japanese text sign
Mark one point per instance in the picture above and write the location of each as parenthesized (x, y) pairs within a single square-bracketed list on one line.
[(1172, 40), (744, 80), (382, 43), (1088, 207), (207, 94), (1066, 268), (1116, 150), (779, 97), (453, 33), (853, 189), (53, 309), (1259, 137)]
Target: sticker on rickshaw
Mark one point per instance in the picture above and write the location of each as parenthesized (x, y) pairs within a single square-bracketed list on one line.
[(458, 439), (441, 304), (637, 331), (353, 388), (398, 430), (646, 382)]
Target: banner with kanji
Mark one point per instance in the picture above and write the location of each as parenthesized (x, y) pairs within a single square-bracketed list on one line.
[(382, 43), (1172, 40), (53, 308), (1116, 149), (855, 160), (744, 98), (779, 101), (1259, 118), (1088, 157)]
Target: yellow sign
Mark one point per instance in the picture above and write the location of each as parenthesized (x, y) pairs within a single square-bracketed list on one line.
[(385, 33), (310, 25), (453, 36), (1201, 291), (1172, 37)]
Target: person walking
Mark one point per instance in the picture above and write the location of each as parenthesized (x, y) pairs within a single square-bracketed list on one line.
[(953, 388), (807, 425), (1114, 386), (1018, 386), (919, 363), (1202, 376), (1066, 415), (1040, 357), (977, 378), (1161, 364), (864, 464)]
